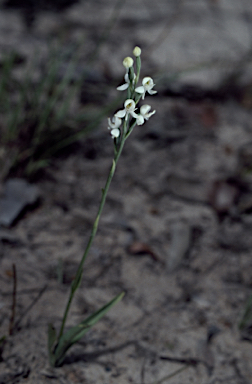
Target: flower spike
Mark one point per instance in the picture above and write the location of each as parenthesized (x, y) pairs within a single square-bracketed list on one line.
[(134, 94)]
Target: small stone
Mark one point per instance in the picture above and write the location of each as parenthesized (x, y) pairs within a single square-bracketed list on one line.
[(181, 236), (18, 195)]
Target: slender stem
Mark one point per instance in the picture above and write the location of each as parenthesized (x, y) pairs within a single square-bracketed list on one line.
[(77, 279)]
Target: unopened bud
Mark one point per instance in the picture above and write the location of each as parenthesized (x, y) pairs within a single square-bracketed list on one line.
[(128, 62), (137, 51)]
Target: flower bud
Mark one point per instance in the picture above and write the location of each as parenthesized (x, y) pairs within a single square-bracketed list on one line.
[(137, 51), (128, 62)]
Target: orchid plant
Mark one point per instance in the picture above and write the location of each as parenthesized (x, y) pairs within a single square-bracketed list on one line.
[(120, 126)]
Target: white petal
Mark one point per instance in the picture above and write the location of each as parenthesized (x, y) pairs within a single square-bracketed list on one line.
[(123, 87), (115, 132), (140, 89), (115, 122), (129, 101), (148, 82), (120, 113), (146, 79), (129, 105), (110, 124), (140, 120), (133, 114), (145, 109)]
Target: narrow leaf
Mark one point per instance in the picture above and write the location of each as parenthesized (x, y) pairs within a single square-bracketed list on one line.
[(77, 332), (52, 336), (93, 319), (77, 280), (247, 315)]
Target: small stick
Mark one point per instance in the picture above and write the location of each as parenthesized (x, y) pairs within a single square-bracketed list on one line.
[(143, 371), (188, 361), (14, 295), (171, 375), (34, 301)]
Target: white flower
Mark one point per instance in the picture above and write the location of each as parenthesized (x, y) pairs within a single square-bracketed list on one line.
[(147, 86), (114, 125), (129, 109), (144, 114), (144, 110)]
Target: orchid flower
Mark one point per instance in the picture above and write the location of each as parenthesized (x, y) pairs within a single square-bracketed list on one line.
[(129, 109), (144, 114), (147, 85), (113, 125)]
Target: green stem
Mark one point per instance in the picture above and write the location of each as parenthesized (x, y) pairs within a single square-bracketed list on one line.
[(78, 276)]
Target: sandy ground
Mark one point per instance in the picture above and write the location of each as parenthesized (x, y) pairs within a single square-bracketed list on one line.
[(175, 234)]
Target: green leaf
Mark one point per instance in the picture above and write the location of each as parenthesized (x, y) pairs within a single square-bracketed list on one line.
[(52, 336), (247, 315), (75, 333), (2, 340)]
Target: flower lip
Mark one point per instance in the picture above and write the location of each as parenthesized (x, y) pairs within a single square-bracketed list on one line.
[(126, 85), (123, 87)]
